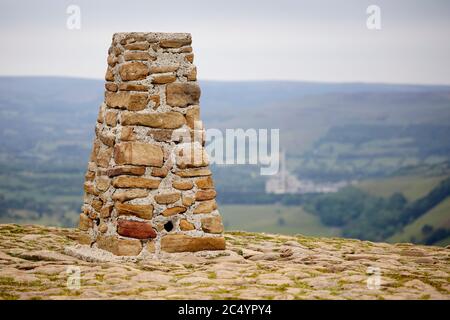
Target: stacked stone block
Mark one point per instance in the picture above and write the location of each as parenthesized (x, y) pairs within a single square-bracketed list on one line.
[(148, 187)]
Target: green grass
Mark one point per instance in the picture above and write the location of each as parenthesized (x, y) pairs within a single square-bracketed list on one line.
[(412, 187), (437, 217), (264, 218)]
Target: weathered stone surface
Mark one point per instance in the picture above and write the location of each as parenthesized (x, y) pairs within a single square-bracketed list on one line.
[(103, 227), (135, 229), (164, 68), (129, 194), (196, 172), (174, 43), (105, 212), (189, 57), (181, 243), (132, 87), (187, 201), (142, 56), (104, 156), (166, 120), (163, 78), (138, 153), (106, 138), (126, 170), (253, 266), (205, 183), (161, 135), (111, 118), (192, 115), (173, 211), (89, 187), (206, 206), (182, 184), (207, 194), (135, 182), (89, 176), (141, 45), (190, 155), (110, 86), (212, 224), (186, 225), (160, 172), (102, 183), (143, 211), (85, 223), (182, 94), (127, 134), (109, 76), (126, 100), (192, 75), (119, 247), (167, 198), (97, 204), (133, 71)]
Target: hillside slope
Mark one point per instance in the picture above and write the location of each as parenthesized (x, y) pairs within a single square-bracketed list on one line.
[(33, 265)]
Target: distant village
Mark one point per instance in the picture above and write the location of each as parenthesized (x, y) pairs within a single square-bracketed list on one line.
[(285, 182)]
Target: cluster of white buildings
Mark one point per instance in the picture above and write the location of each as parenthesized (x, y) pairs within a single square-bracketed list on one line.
[(285, 182)]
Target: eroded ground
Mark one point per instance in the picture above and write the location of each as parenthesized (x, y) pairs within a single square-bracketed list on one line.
[(254, 266)]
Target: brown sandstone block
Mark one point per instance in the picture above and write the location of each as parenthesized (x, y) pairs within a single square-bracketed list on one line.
[(143, 211), (85, 223), (187, 201), (135, 182), (207, 206), (173, 211), (119, 247), (133, 71), (182, 184), (207, 194), (167, 198), (138, 153), (111, 118), (196, 172), (192, 115), (166, 120), (126, 170), (110, 86), (182, 94), (132, 87), (141, 45), (205, 183), (139, 56), (105, 212), (127, 134), (174, 43), (186, 225), (104, 156), (135, 229), (126, 100), (163, 78), (181, 243), (212, 224), (164, 68), (129, 194), (160, 172)]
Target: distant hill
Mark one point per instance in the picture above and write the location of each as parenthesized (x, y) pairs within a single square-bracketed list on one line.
[(391, 138)]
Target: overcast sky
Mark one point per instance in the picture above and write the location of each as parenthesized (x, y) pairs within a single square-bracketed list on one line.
[(312, 40)]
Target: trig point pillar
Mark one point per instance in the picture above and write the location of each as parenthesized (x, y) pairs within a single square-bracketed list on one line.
[(148, 187)]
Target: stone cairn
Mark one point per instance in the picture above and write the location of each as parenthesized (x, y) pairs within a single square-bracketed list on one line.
[(148, 187)]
